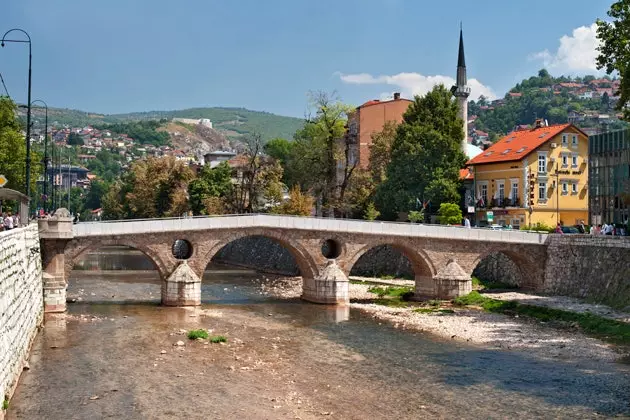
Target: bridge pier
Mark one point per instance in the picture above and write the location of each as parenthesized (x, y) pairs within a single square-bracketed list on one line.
[(329, 287), (54, 234), (182, 287), (452, 281)]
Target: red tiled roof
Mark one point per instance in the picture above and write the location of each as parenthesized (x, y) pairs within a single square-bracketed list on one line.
[(377, 102), (518, 144), (516, 94), (465, 173)]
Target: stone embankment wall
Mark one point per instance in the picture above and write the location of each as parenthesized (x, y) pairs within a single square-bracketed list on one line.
[(21, 302), (595, 268), (269, 256), (498, 268)]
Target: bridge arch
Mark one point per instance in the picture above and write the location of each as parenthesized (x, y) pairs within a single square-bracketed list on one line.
[(420, 262), (503, 266), (78, 249), (304, 259)]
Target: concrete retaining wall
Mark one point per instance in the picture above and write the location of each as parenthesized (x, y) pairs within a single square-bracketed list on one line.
[(595, 268), (21, 302)]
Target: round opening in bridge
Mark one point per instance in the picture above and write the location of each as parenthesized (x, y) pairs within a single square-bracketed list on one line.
[(182, 249), (331, 249)]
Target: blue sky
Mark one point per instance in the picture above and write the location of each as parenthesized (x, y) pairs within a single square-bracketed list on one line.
[(139, 55)]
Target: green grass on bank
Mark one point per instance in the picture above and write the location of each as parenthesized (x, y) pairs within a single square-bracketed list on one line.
[(392, 296), (606, 329), (195, 334), (479, 284)]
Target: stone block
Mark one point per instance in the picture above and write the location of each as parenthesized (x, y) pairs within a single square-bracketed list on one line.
[(182, 287)]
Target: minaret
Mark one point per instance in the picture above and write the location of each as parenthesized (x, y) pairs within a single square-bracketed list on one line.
[(461, 91)]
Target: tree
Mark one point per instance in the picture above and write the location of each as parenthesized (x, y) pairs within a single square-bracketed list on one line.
[(211, 184), (298, 204), (259, 179), (13, 149), (426, 156), (95, 194), (318, 147), (279, 149), (614, 54), (75, 140), (156, 187), (450, 214), (370, 212), (381, 151)]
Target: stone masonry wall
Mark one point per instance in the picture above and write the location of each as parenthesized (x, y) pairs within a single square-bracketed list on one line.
[(595, 268), (21, 302), (498, 268), (260, 253), (269, 256)]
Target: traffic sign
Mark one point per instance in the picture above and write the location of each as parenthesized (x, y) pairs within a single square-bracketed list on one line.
[(490, 216), (3, 181)]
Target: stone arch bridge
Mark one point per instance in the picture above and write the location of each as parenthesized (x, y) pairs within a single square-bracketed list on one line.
[(443, 257)]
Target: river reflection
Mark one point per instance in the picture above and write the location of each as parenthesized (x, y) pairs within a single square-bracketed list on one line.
[(280, 351)]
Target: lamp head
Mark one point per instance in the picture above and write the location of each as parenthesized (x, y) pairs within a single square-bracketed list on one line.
[(2, 44)]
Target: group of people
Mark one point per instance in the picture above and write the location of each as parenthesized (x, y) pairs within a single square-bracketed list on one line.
[(9, 221), (608, 229)]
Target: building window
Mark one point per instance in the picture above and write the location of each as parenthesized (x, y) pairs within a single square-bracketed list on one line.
[(574, 140), (574, 188), (542, 163), (514, 192), (484, 193), (574, 161), (565, 140), (516, 224), (542, 191), (501, 193), (565, 188), (565, 161)]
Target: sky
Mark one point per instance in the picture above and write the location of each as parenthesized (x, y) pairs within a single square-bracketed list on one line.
[(119, 56)]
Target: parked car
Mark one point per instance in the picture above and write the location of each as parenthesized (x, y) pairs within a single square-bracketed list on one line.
[(570, 230)]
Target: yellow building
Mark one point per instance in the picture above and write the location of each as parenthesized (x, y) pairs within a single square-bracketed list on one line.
[(533, 176)]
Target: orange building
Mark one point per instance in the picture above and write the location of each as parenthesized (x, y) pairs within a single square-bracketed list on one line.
[(370, 118)]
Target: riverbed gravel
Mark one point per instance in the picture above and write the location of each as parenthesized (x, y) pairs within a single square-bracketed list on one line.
[(498, 331)]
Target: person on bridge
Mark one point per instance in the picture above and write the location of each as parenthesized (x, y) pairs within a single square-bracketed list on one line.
[(466, 222)]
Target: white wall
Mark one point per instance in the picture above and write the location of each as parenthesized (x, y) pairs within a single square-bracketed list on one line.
[(21, 301)]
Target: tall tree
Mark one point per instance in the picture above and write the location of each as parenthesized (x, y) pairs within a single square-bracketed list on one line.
[(426, 156), (13, 149), (614, 54), (75, 140), (211, 183), (156, 187)]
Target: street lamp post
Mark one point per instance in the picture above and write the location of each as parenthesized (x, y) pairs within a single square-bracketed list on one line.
[(28, 101), (46, 159)]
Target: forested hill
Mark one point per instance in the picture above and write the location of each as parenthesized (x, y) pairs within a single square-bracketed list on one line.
[(233, 122), (586, 101)]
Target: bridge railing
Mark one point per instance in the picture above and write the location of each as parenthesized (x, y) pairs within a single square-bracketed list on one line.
[(140, 226)]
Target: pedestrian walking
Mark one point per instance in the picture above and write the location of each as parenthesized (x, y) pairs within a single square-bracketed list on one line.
[(466, 222)]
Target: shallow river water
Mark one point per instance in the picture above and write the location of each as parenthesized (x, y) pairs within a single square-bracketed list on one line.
[(113, 356)]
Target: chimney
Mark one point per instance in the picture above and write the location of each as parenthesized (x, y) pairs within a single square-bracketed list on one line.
[(396, 96)]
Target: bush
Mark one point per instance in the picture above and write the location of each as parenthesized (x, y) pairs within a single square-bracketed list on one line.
[(195, 334), (450, 214), (539, 227), (370, 212), (218, 339), (416, 216)]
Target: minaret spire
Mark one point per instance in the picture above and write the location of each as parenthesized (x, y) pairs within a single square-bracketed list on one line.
[(461, 90)]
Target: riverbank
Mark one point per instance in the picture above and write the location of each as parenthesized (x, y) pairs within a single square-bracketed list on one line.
[(546, 340)]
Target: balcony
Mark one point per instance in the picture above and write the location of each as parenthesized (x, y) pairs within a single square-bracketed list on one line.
[(501, 203)]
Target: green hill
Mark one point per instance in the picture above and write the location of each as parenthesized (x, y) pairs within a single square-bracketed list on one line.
[(233, 122), (586, 101)]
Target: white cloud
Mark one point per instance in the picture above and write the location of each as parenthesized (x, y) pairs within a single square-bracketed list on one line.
[(576, 54), (415, 83)]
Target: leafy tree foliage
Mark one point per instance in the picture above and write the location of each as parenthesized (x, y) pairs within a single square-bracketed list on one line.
[(13, 149), (75, 140), (426, 156), (156, 187), (318, 147), (614, 54), (94, 195), (370, 212), (106, 166), (450, 214), (211, 184), (143, 132), (298, 204), (279, 149)]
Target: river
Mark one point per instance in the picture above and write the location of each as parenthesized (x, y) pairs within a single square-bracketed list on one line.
[(113, 356)]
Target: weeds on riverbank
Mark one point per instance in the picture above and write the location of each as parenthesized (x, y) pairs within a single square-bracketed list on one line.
[(195, 334), (479, 284), (5, 403), (600, 327), (392, 296), (218, 339)]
